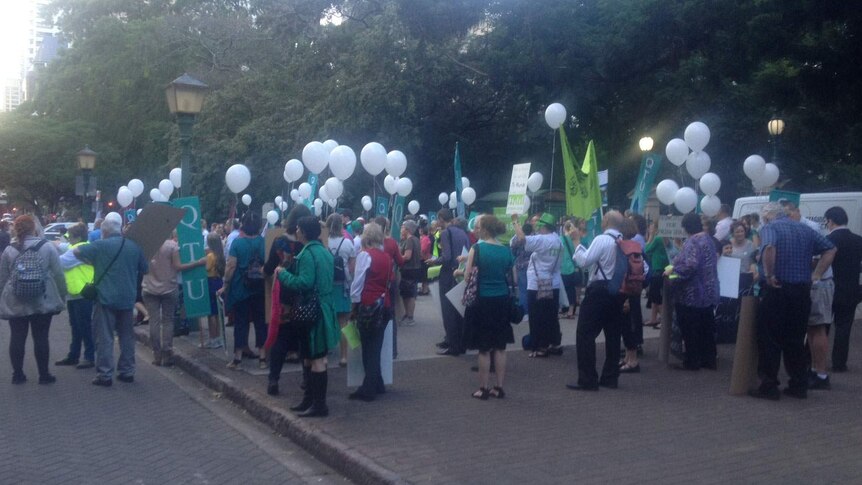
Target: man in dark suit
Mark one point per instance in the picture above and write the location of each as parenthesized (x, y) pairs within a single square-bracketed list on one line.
[(846, 274)]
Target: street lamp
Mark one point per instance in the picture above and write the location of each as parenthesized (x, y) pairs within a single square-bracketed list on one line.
[(185, 96), (646, 144), (86, 163), (776, 128)]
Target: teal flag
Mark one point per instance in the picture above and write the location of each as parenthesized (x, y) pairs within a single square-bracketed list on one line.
[(381, 208), (312, 181), (459, 186), (196, 295), (650, 165), (397, 216)]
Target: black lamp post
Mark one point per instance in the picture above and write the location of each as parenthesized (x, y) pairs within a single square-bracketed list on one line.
[(86, 163), (185, 96), (776, 128)]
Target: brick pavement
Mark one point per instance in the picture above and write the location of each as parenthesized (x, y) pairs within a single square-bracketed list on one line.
[(660, 426), (148, 432)]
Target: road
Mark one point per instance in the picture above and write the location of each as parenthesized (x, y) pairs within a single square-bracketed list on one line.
[(163, 428)]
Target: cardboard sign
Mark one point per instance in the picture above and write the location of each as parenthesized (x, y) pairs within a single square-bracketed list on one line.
[(671, 227), (196, 295), (518, 189), (153, 226)]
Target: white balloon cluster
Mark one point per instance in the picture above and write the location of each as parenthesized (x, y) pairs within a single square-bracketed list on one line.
[(689, 151), (761, 174)]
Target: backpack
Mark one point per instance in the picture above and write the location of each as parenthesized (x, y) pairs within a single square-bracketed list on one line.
[(28, 279), (254, 277), (339, 263), (628, 278)]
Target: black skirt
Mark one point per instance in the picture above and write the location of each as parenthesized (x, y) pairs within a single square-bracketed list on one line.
[(486, 324)]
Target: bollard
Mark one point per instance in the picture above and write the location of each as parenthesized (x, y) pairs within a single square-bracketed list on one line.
[(744, 375)]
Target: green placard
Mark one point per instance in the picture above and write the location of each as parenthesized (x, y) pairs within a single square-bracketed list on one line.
[(397, 217), (196, 296), (779, 195), (500, 212)]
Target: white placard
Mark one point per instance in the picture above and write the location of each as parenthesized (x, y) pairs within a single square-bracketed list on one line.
[(671, 227), (355, 370), (518, 189), (728, 276), (455, 295)]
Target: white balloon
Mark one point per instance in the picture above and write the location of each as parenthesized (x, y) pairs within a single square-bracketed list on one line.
[(697, 164), (753, 166), (334, 187), (139, 212), (443, 198), (685, 200), (709, 205), (283, 206), (366, 203), (389, 184), (413, 207), (166, 188), (342, 162), (323, 192), (770, 175), (294, 194), (237, 178), (332, 203), (272, 217), (293, 170), (176, 177), (666, 191), (318, 211), (696, 136), (453, 201), (710, 183), (304, 190), (317, 203), (396, 163), (137, 187), (278, 200), (534, 183), (526, 203), (373, 158), (315, 157), (330, 145), (246, 199), (125, 197), (465, 182), (555, 115), (404, 186), (676, 151), (156, 196), (468, 195)]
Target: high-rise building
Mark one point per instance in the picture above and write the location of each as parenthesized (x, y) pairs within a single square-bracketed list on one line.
[(11, 95), (42, 46)]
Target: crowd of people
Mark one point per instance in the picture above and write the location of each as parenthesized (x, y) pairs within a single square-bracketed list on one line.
[(341, 272)]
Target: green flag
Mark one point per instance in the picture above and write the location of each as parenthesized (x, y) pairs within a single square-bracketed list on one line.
[(582, 184)]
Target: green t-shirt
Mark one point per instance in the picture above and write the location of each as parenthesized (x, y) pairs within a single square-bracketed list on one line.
[(657, 254), (495, 262)]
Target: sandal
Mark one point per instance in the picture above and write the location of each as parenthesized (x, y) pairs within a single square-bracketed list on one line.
[(498, 392), (538, 354), (261, 364), (234, 364), (481, 394)]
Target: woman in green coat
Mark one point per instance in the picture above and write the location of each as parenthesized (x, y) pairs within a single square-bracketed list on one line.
[(314, 270)]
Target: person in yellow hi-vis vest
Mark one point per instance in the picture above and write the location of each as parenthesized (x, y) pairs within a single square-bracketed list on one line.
[(80, 309)]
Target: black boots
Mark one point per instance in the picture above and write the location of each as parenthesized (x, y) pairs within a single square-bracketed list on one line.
[(315, 392)]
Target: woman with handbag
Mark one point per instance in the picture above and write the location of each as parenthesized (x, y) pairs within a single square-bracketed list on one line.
[(313, 315), (487, 319), (411, 272), (372, 308)]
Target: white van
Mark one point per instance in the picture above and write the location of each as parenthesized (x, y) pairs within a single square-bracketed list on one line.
[(812, 206)]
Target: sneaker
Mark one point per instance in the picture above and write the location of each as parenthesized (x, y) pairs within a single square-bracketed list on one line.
[(102, 382), (215, 343), (85, 364), (815, 383), (408, 321), (66, 362), (47, 379), (234, 364)]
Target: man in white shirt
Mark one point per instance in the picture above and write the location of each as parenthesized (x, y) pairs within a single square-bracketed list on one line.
[(722, 227), (601, 309)]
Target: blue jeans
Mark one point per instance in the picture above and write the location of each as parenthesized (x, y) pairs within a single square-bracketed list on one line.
[(250, 310), (81, 320), (522, 290), (106, 321)]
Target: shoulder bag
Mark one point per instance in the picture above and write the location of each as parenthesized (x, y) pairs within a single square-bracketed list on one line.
[(371, 317), (89, 290), (306, 312), (471, 291)]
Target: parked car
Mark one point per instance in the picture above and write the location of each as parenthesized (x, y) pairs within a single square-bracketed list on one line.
[(55, 230)]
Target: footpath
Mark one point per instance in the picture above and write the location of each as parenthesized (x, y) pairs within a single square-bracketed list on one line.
[(661, 425)]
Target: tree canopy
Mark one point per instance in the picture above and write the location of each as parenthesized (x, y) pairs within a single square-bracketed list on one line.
[(419, 75)]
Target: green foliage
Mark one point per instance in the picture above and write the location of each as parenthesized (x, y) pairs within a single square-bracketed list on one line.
[(419, 75)]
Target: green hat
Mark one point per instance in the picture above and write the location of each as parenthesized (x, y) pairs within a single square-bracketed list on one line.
[(548, 220)]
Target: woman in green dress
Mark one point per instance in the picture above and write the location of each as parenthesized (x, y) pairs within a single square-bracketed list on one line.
[(314, 270)]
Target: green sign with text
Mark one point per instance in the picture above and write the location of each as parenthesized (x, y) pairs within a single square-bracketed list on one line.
[(196, 295)]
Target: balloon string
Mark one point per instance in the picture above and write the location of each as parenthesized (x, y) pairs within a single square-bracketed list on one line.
[(553, 158)]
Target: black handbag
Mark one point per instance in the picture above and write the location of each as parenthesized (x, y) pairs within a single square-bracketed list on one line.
[(516, 311), (89, 290), (306, 312)]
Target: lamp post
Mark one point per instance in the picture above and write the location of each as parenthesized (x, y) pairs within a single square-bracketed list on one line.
[(776, 128), (86, 163), (185, 96)]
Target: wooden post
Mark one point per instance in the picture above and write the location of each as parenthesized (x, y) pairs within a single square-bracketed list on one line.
[(744, 375)]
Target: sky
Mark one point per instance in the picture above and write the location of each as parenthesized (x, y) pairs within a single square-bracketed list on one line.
[(13, 36)]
